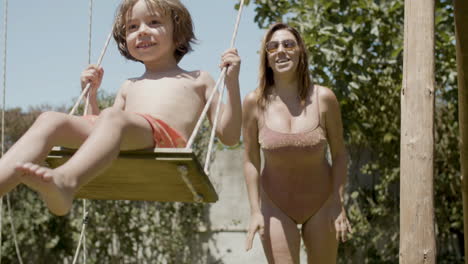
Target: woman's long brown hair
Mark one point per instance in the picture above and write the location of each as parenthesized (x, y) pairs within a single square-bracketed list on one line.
[(265, 75)]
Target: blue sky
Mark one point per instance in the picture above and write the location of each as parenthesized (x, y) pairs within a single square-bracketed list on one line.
[(47, 47)]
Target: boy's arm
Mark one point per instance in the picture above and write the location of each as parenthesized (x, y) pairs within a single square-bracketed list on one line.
[(119, 101), (230, 115), (252, 167), (92, 75), (93, 107)]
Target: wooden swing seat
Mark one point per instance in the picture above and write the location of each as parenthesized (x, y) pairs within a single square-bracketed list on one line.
[(160, 174)]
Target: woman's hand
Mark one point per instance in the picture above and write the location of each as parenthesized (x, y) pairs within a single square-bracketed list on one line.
[(338, 220), (232, 61), (93, 75), (257, 224)]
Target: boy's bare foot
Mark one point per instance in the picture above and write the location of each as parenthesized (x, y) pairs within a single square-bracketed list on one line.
[(50, 184)]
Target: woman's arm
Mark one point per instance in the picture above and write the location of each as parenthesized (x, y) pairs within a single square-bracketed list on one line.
[(252, 166), (334, 127)]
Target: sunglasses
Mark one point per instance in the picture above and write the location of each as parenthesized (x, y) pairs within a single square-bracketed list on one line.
[(273, 46)]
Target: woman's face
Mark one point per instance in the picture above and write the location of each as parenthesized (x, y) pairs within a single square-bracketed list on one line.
[(283, 52)]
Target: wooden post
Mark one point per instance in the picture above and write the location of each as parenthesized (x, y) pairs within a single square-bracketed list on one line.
[(417, 232), (461, 32)]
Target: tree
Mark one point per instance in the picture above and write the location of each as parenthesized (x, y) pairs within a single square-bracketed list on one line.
[(461, 14), (417, 232)]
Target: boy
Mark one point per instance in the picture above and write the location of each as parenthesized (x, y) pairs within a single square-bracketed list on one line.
[(159, 108)]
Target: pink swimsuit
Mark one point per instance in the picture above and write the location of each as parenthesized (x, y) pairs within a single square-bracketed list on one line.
[(296, 176)]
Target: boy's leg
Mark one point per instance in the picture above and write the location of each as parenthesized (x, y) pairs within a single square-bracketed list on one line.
[(49, 129), (115, 129)]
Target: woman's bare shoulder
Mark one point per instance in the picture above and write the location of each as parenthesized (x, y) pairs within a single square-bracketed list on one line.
[(252, 97), (250, 105), (326, 95), (251, 100)]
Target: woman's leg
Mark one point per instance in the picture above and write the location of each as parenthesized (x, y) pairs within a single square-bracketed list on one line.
[(49, 129), (115, 129), (282, 239), (319, 237)]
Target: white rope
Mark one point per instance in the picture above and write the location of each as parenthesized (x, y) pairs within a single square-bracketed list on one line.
[(83, 231), (82, 240), (239, 13), (213, 131), (13, 230), (5, 39), (86, 89), (83, 228), (216, 88), (85, 209), (205, 110), (90, 28), (220, 99), (3, 115), (5, 36), (183, 171), (1, 225)]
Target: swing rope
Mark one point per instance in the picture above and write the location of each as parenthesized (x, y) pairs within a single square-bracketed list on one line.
[(82, 240), (13, 230), (82, 237), (3, 117), (90, 31), (218, 107), (12, 225), (86, 89)]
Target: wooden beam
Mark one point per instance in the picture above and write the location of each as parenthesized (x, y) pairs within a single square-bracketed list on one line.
[(461, 33), (417, 232)]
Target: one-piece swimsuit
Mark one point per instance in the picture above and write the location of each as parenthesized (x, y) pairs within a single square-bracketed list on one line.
[(296, 176)]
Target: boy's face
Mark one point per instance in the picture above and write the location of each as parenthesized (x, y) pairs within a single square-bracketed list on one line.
[(149, 34)]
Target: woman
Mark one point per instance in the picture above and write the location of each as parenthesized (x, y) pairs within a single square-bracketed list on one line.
[(292, 121)]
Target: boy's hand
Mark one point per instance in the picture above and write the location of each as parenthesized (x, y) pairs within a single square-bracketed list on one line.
[(231, 59), (92, 74)]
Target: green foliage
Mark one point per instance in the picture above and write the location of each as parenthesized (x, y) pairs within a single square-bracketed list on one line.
[(355, 48), (117, 231)]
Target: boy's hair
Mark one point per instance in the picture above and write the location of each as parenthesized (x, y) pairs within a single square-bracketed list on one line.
[(183, 35), (265, 76)]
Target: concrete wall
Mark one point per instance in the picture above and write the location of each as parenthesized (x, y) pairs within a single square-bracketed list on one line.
[(224, 238)]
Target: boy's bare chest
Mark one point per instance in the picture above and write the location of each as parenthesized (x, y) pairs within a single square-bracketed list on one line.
[(165, 92)]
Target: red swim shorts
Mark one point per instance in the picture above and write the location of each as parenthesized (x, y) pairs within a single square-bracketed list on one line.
[(164, 136)]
